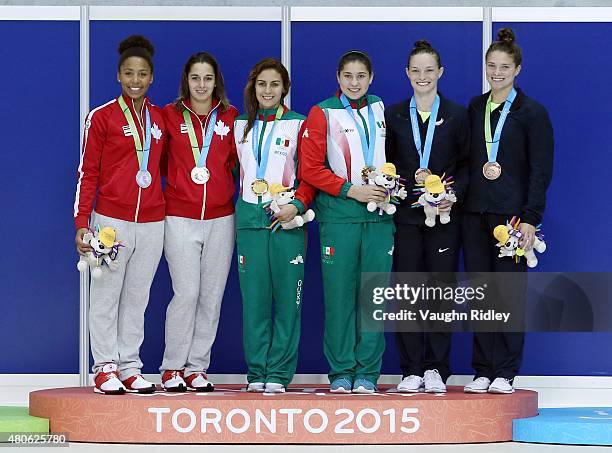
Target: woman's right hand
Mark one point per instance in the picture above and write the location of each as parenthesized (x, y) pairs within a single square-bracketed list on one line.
[(81, 246), (368, 193)]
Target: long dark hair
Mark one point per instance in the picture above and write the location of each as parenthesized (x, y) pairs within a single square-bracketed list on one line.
[(218, 91), (250, 98), (506, 42)]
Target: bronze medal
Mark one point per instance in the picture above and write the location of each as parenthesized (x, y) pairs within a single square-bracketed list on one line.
[(259, 187), (491, 170), (421, 174)]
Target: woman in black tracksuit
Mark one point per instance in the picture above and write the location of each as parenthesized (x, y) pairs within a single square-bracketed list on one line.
[(504, 182), (424, 357)]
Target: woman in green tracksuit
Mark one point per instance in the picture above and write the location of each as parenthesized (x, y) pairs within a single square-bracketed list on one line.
[(344, 136), (270, 262)]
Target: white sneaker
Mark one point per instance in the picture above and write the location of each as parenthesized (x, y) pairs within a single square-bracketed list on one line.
[(480, 385), (433, 382), (107, 381), (198, 382), (138, 384), (257, 387), (501, 385), (172, 381), (273, 387), (411, 384)]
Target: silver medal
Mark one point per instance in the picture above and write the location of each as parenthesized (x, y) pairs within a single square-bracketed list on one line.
[(143, 179), (200, 175)]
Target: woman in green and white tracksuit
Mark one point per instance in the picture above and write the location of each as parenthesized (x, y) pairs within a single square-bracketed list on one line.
[(345, 135), (270, 262)]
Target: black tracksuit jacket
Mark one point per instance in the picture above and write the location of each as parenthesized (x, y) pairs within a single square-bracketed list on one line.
[(525, 155), (449, 151)]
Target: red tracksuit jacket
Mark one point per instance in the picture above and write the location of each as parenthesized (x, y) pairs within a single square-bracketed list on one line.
[(108, 166), (184, 198)]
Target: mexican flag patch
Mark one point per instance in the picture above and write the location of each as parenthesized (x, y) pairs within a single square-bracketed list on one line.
[(327, 254), (282, 142)]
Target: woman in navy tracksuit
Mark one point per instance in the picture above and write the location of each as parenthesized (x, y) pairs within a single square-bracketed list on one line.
[(424, 357), (504, 182)]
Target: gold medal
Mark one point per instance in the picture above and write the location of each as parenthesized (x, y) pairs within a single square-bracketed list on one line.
[(259, 187), (365, 171), (421, 174), (491, 170)]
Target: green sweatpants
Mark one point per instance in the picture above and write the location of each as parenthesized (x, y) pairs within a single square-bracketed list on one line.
[(271, 268), (348, 249)]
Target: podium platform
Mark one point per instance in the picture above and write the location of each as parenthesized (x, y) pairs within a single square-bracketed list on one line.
[(302, 415), (571, 426)]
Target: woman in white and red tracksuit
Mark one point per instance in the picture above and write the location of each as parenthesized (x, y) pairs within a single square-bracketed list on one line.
[(344, 138), (270, 263), (199, 226), (119, 173)]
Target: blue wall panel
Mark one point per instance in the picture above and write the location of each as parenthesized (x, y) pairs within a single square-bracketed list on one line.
[(237, 46), (39, 323)]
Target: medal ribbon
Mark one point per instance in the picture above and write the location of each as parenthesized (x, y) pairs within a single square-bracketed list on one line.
[(367, 146), (493, 144), (263, 162), (200, 156), (142, 155), (424, 152)]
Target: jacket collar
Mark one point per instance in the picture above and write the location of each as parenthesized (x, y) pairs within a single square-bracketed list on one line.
[(520, 96), (355, 103), (130, 104), (269, 114), (187, 105)]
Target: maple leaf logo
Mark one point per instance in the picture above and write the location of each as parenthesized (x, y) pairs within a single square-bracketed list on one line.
[(156, 131), (221, 129)]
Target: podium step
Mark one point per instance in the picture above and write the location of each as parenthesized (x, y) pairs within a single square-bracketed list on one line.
[(572, 426), (15, 419)]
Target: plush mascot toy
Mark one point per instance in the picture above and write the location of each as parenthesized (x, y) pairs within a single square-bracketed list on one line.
[(281, 196), (388, 179), (105, 250), (433, 191), (508, 237)]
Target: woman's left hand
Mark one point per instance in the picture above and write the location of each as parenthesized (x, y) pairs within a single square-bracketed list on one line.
[(286, 213), (528, 236)]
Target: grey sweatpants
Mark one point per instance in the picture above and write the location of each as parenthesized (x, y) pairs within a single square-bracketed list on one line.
[(199, 254), (118, 299)]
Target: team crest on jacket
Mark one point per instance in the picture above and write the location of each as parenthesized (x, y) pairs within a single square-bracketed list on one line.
[(127, 131), (221, 129), (184, 129), (156, 132), (241, 263)]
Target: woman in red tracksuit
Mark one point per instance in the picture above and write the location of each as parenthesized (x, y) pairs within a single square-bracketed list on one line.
[(199, 226), (119, 172)]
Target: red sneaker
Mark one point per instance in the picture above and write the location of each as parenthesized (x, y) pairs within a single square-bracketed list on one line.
[(172, 381), (107, 381), (138, 384), (198, 382)]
